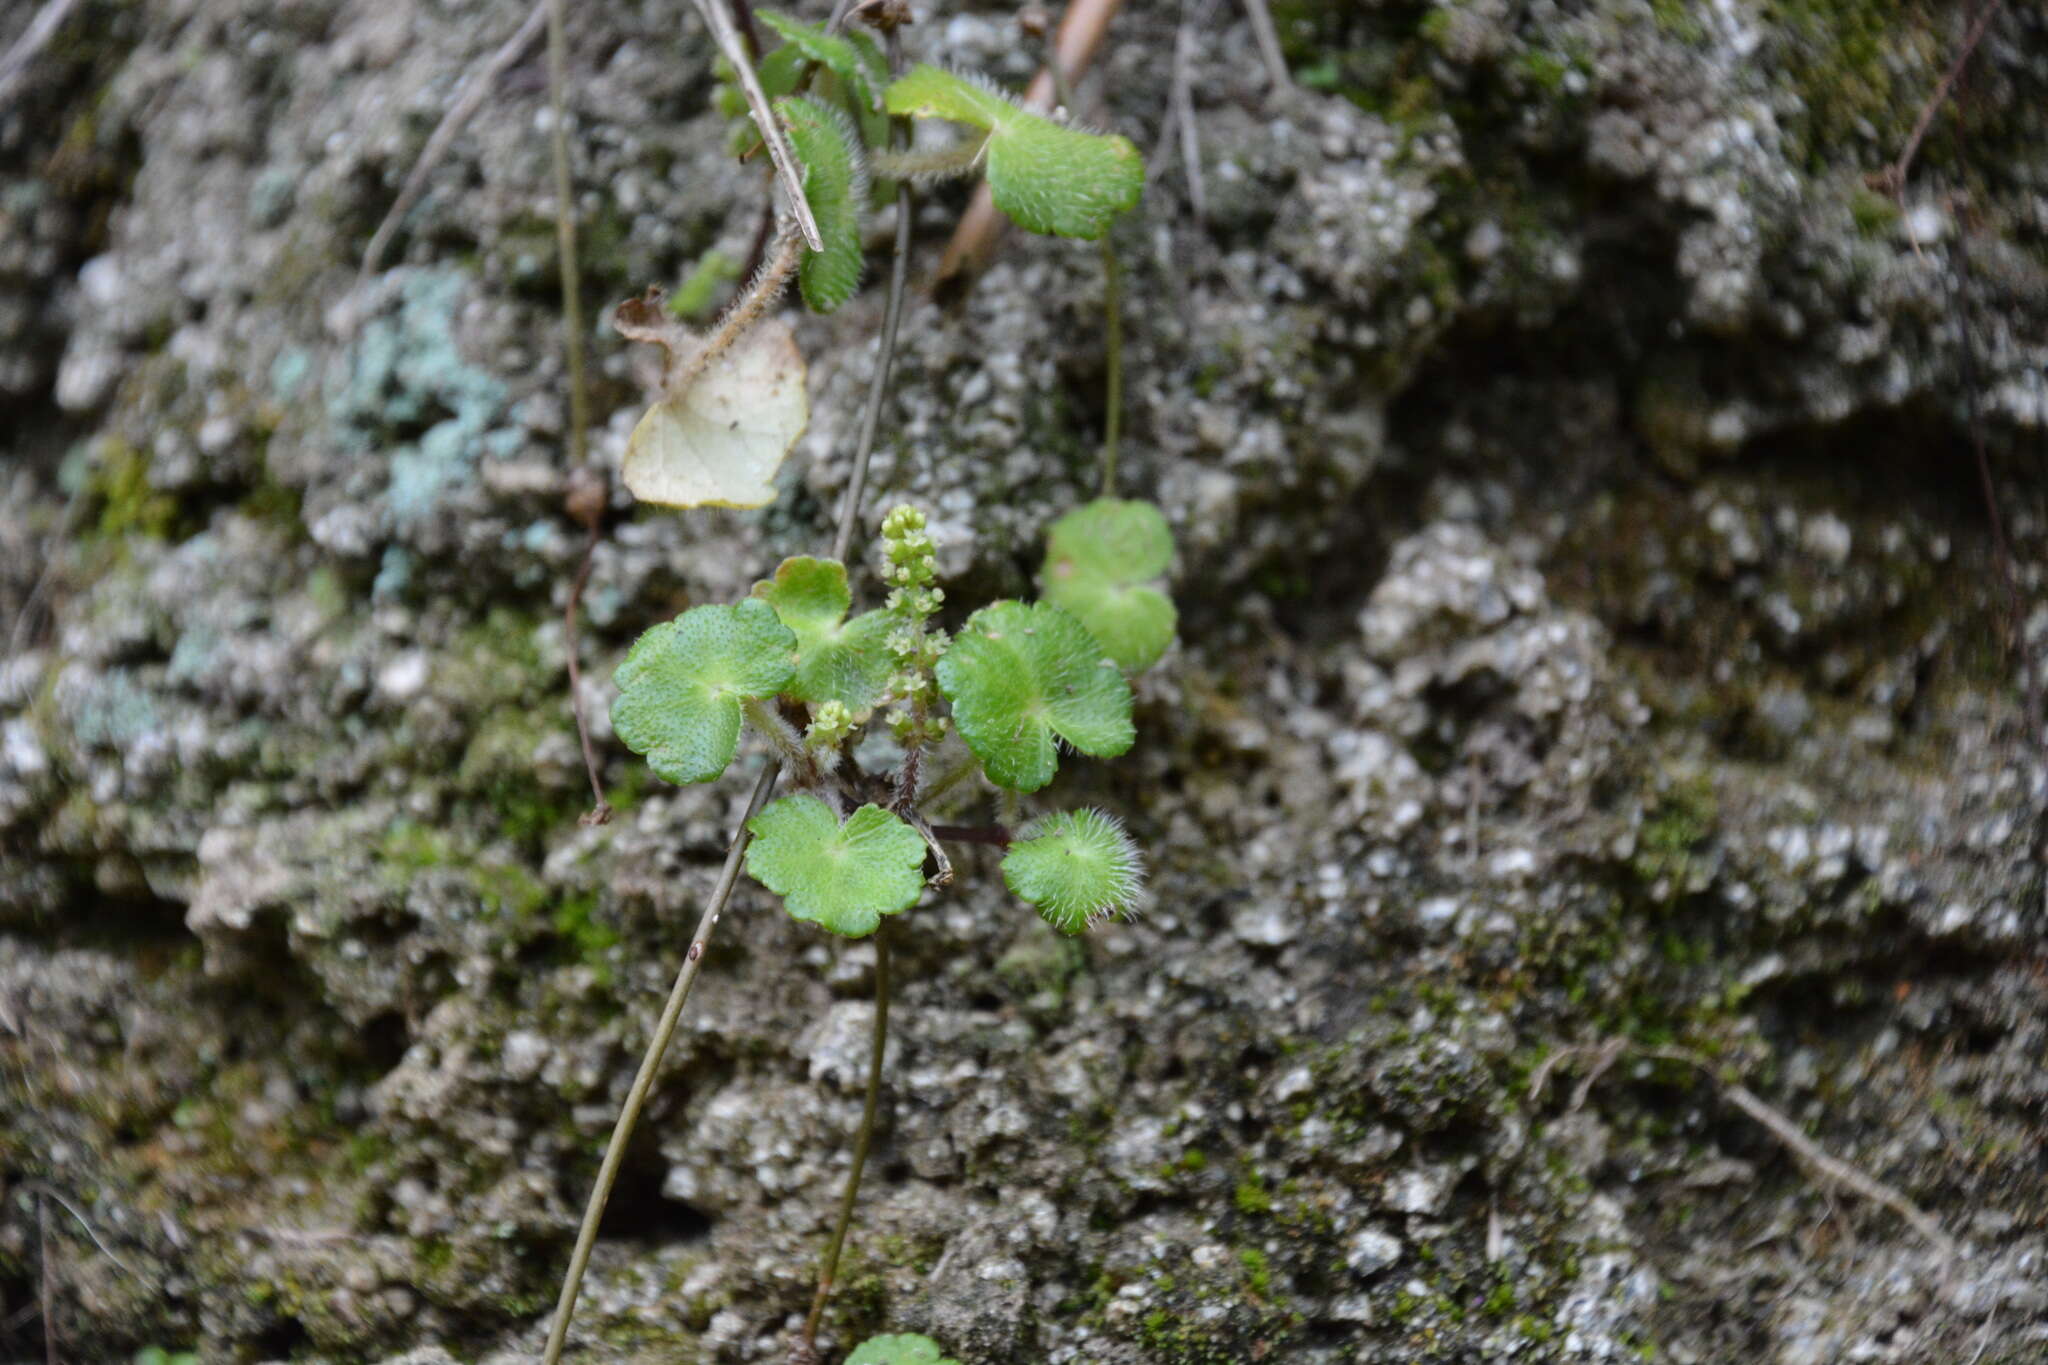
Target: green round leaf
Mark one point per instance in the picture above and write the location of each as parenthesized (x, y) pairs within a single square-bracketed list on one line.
[(836, 184), (681, 685), (844, 877), (905, 1349), (1098, 560), (837, 659), (1076, 867), (1122, 539), (927, 91), (1021, 678), (1062, 182), (1047, 177)]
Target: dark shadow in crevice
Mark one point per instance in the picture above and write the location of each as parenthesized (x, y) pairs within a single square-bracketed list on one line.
[(284, 1339), (639, 1211)]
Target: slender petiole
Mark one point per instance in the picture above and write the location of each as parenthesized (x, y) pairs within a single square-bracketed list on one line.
[(643, 1081), (1112, 421), (828, 1267), (1112, 293), (939, 163)]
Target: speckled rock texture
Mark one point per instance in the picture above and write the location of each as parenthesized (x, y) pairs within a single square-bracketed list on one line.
[(1595, 652)]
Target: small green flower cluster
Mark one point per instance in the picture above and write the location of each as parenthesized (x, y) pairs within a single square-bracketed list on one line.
[(830, 725), (911, 569)]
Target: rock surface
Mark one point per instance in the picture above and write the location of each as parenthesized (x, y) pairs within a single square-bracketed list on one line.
[(1592, 633)]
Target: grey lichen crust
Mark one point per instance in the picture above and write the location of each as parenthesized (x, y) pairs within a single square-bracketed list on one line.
[(1589, 631)]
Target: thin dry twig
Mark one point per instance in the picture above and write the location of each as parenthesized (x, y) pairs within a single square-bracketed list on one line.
[(1833, 1168), (587, 493), (1081, 32), (565, 234), (1818, 1162), (1181, 98), (1894, 175), (476, 88), (1603, 1062), (1268, 39), (1539, 1079), (806, 1348), (2001, 546), (734, 50), (43, 1191), (15, 65), (46, 1292)]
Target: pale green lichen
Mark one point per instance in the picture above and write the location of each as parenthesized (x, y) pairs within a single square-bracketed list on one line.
[(412, 396)]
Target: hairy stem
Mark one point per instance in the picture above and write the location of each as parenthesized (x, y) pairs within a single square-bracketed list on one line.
[(565, 233), (657, 1048), (828, 1267), (799, 761), (746, 310), (948, 780), (938, 163)]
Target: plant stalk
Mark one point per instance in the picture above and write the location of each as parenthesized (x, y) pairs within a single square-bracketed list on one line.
[(565, 234), (46, 1292), (657, 1047), (600, 811), (1268, 38), (1112, 302), (828, 1267), (579, 390), (1112, 422), (892, 320)]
